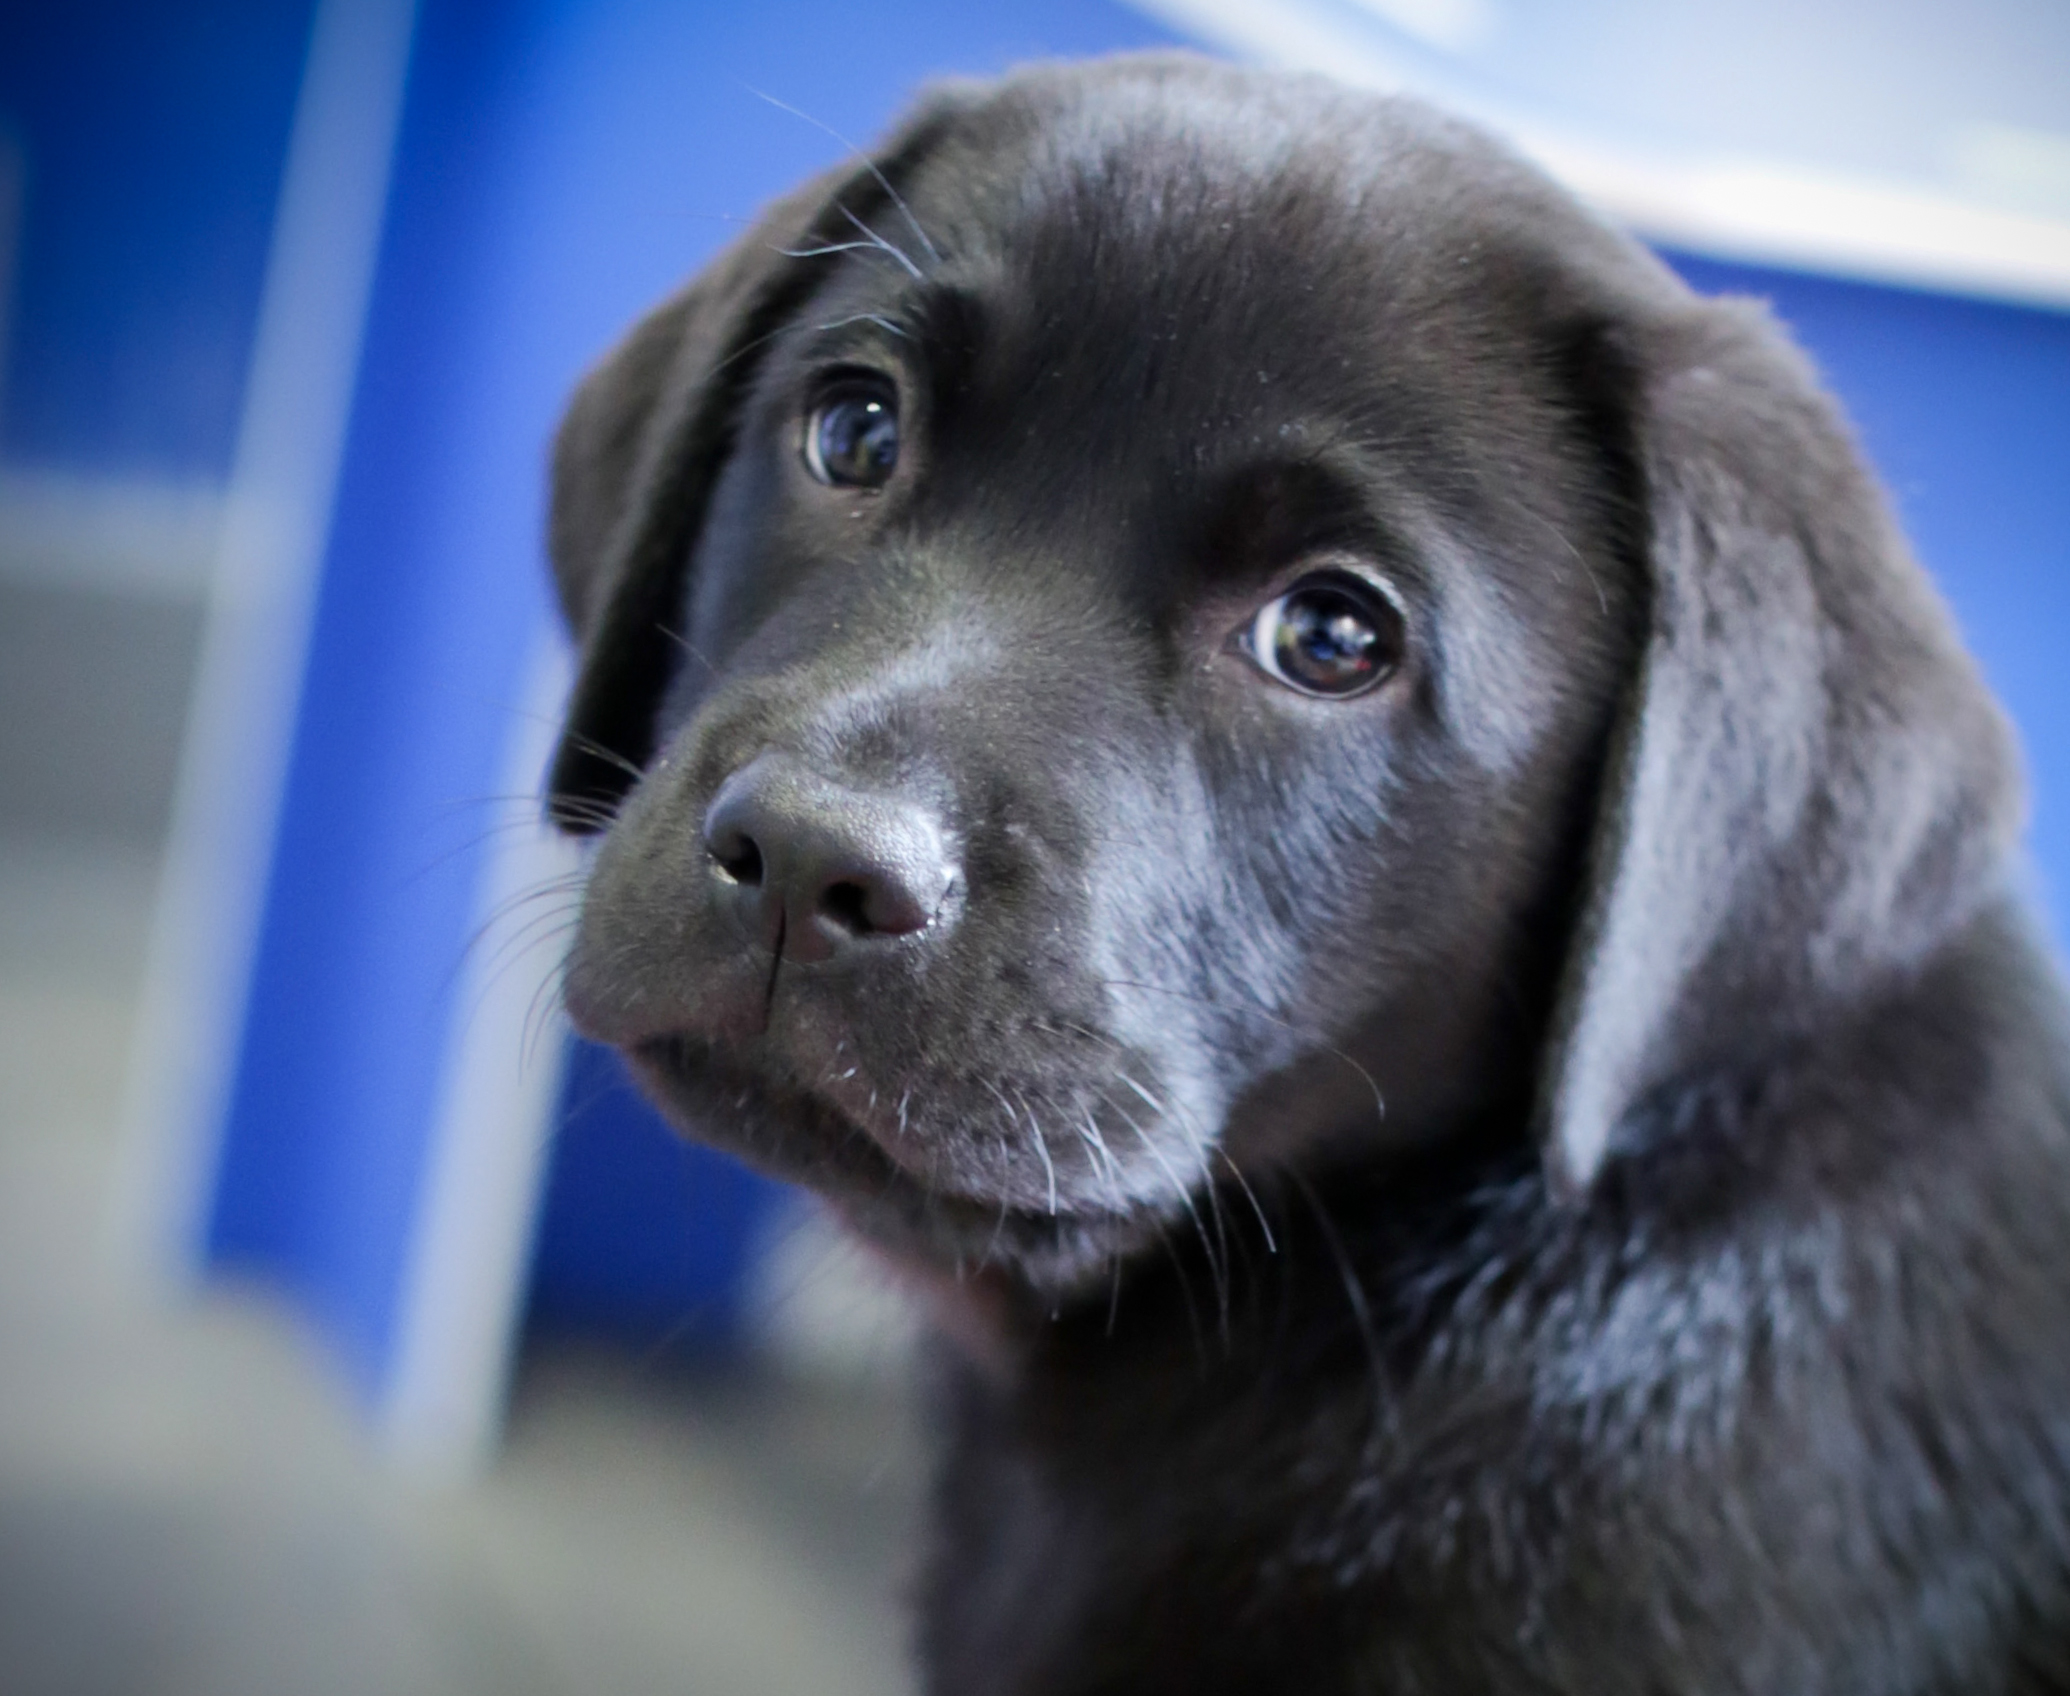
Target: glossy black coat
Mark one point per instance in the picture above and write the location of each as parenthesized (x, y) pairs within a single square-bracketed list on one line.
[(1546, 1175)]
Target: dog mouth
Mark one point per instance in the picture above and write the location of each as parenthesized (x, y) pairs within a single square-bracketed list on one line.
[(895, 1184)]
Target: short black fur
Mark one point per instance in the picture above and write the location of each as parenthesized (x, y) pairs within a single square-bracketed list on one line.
[(1551, 1174)]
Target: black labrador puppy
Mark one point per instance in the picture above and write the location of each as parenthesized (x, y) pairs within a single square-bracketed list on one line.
[(1282, 767)]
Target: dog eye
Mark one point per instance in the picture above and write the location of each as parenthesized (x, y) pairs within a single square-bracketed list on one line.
[(1331, 634), (851, 437)]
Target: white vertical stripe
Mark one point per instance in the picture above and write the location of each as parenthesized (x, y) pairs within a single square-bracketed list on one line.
[(262, 593), (506, 1045)]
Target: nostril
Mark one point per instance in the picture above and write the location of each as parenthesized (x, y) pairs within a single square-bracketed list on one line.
[(847, 904), (879, 901), (810, 866), (738, 857)]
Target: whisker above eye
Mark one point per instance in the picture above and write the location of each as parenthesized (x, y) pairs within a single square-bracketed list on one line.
[(896, 252), (869, 164), (877, 318), (828, 250)]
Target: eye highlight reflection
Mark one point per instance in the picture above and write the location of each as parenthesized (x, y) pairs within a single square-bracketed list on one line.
[(1333, 635)]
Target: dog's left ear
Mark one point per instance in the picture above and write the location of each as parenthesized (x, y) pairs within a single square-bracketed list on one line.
[(1810, 787)]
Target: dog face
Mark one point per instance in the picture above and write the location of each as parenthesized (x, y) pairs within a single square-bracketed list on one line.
[(1177, 625)]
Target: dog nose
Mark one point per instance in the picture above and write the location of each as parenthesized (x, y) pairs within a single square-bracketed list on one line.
[(816, 866)]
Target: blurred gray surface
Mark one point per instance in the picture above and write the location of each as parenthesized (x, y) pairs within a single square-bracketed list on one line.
[(188, 1504), (101, 584), (93, 692)]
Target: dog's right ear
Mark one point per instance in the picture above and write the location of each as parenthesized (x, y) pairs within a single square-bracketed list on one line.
[(1812, 788), (643, 441)]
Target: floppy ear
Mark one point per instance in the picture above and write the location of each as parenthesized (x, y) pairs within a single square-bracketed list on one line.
[(644, 440), (1811, 787)]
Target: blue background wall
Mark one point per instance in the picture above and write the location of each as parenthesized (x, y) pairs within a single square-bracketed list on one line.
[(153, 137), (561, 166)]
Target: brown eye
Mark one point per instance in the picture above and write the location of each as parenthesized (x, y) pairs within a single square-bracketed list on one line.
[(851, 436), (1332, 634)]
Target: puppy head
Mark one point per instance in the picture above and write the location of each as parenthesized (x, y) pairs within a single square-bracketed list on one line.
[(1178, 622)]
